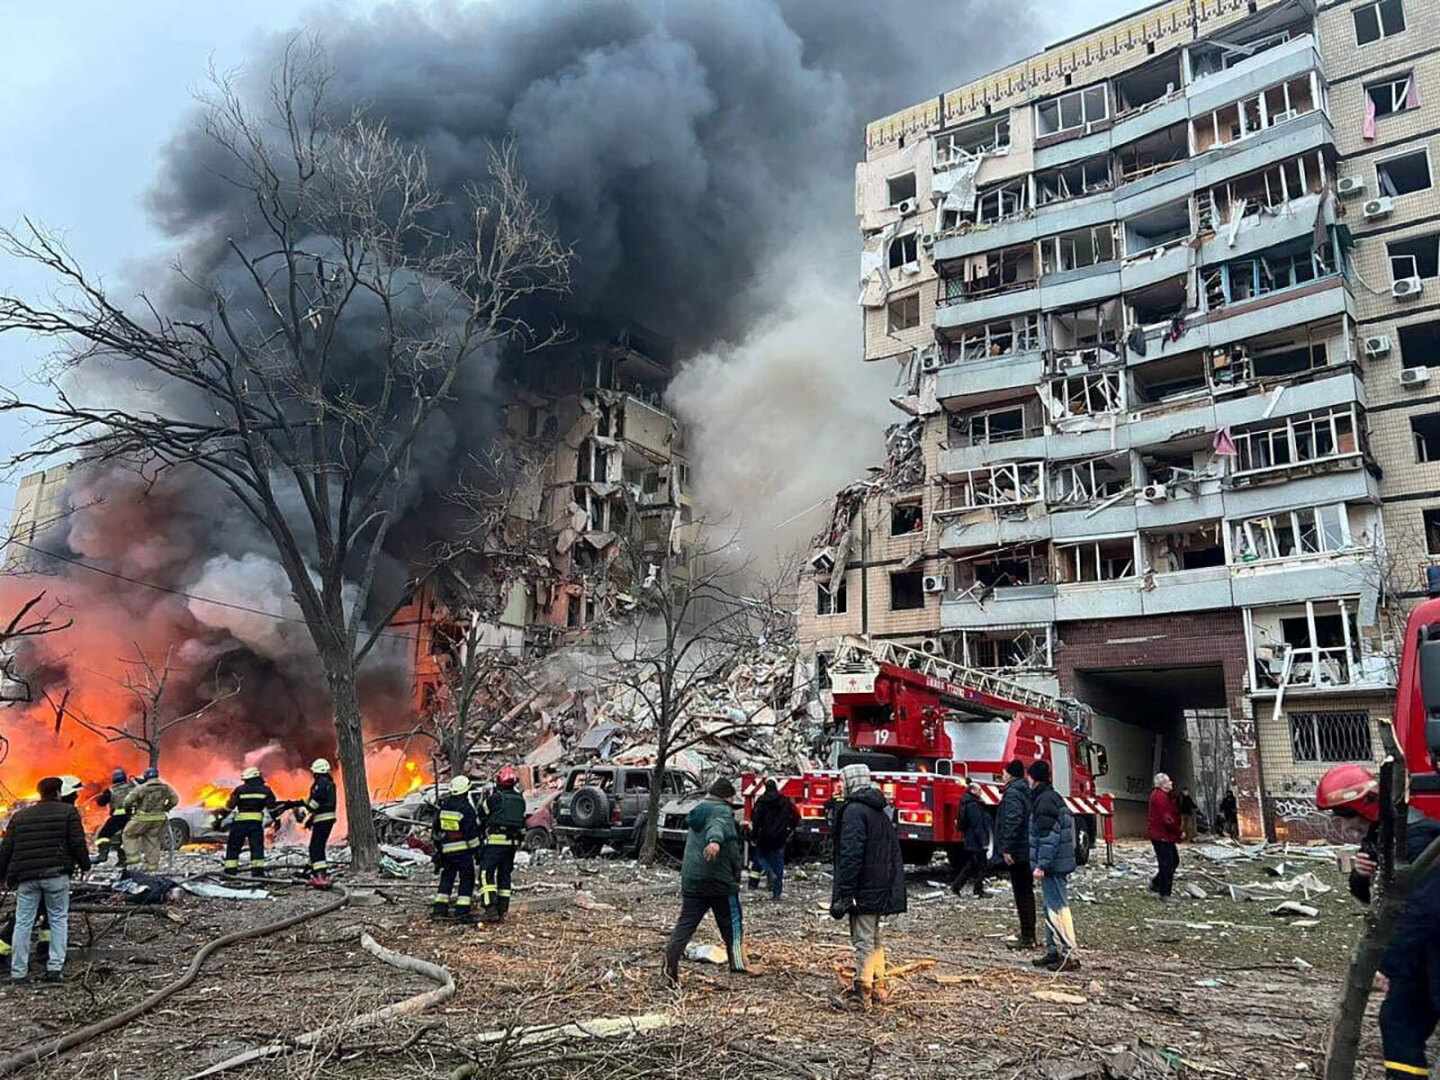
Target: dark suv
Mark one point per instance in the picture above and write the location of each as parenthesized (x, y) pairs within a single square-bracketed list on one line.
[(606, 804)]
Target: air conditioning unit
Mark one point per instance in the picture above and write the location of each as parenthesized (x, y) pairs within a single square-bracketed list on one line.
[(935, 583), (1408, 286), (927, 241), (1350, 185), (1414, 376), (930, 645), (823, 560), (1378, 207), (907, 206), (1378, 345), (1155, 492)]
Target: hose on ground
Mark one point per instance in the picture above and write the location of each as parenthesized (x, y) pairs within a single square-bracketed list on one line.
[(30, 1055)]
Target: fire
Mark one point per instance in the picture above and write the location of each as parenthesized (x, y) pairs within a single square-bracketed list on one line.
[(211, 797)]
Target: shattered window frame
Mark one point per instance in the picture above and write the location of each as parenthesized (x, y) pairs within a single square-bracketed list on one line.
[(1075, 482), (1300, 440), (977, 488), (1307, 530), (1073, 110), (1382, 164), (1079, 248), (1311, 663), (1086, 562), (952, 148), (915, 503), (979, 646), (1003, 337), (1085, 394), (907, 247), (980, 426), (1391, 96), (828, 604)]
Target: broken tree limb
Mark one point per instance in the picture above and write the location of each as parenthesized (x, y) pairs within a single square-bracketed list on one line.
[(411, 1005)]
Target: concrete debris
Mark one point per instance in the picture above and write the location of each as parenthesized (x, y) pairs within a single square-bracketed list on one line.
[(1057, 997), (1294, 907), (1190, 889), (1306, 884), (709, 954)]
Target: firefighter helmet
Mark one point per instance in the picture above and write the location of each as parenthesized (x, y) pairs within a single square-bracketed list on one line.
[(150, 774), (459, 785), (508, 777), (252, 773), (70, 786), (1352, 788), (118, 776), (320, 766)]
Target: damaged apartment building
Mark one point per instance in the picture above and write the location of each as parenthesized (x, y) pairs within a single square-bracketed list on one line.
[(1163, 302), (603, 477)]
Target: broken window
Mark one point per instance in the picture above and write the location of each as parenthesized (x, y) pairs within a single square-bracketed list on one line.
[(1072, 111), (995, 425), (1159, 304), (1191, 547), (1084, 395), (1420, 344), (1026, 564), (1143, 86), (1431, 520), (1089, 481), (1157, 228), (1017, 649), (1095, 326), (1393, 95), (989, 274), (1001, 201), (900, 188), (1417, 257), (1283, 356), (1235, 121), (1376, 21), (989, 136), (1154, 153), (1212, 57), (1269, 188), (904, 250), (1276, 269), (1020, 334), (907, 517), (1095, 560), (1297, 441), (1331, 736), (907, 591), (1084, 178), (1289, 534), (1010, 484), (1426, 432), (1073, 250), (1316, 643), (904, 313), (1404, 174), (828, 603), (1170, 378)]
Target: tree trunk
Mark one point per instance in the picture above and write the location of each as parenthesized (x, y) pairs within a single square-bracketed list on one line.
[(650, 839), (350, 751), (152, 755)]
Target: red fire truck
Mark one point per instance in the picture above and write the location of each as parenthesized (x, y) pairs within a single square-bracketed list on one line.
[(926, 726)]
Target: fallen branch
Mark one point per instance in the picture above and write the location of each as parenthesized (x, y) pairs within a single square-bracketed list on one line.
[(411, 1005)]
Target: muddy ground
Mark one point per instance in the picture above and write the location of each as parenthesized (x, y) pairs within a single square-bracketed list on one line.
[(1200, 987)]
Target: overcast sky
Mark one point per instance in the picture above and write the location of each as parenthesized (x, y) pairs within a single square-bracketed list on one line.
[(93, 88)]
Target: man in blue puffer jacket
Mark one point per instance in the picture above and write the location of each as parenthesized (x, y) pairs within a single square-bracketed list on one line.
[(1052, 854)]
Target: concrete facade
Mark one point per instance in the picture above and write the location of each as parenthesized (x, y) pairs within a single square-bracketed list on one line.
[(1142, 290)]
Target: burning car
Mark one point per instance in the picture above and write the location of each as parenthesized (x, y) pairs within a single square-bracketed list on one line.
[(414, 815)]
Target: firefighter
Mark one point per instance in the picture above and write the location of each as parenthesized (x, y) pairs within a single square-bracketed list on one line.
[(1411, 963), (109, 835), (320, 820), (148, 807), (504, 829), (249, 803), (457, 839)]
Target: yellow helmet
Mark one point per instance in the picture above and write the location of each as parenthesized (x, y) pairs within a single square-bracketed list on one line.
[(320, 765)]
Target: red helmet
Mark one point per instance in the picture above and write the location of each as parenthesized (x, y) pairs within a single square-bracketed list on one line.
[(1350, 787), (508, 777)]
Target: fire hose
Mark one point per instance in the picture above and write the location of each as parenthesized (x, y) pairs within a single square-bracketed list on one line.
[(31, 1055)]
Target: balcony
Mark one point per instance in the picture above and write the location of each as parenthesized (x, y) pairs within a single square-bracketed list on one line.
[(973, 382), (1284, 62)]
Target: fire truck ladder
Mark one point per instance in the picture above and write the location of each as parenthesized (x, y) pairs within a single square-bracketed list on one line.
[(855, 655)]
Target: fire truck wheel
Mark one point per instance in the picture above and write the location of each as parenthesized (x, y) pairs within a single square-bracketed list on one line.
[(1084, 840)]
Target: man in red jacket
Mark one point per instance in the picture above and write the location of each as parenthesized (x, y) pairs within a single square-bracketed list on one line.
[(1164, 833)]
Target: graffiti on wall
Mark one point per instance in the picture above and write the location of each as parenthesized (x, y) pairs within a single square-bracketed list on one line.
[(1300, 819)]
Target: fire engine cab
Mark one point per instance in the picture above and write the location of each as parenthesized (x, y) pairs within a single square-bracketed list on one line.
[(926, 727)]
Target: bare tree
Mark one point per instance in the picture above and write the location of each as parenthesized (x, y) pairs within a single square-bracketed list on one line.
[(691, 625), (32, 620), (265, 389), (151, 719)]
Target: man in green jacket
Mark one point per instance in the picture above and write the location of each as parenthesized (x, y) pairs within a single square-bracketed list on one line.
[(710, 879)]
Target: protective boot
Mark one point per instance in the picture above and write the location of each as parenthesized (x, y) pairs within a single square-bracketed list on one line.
[(491, 916), (439, 911)]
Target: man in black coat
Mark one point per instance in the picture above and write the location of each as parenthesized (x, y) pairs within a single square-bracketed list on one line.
[(43, 846), (1012, 849), (772, 823), (869, 877), (975, 849)]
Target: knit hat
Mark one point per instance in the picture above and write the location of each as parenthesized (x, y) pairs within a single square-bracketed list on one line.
[(1016, 768), (722, 789), (856, 778), (1040, 771)]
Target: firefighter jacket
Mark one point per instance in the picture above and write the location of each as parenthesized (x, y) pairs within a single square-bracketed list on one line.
[(250, 801), (151, 801), (457, 832), (504, 816), (114, 797), (321, 802)]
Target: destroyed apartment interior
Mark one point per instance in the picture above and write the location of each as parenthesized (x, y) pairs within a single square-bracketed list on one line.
[(499, 605)]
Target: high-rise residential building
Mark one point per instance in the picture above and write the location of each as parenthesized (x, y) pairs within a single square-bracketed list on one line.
[(1164, 299)]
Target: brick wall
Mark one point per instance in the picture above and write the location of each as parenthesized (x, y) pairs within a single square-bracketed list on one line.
[(1190, 639)]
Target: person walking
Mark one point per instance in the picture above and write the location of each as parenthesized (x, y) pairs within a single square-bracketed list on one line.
[(1230, 815), (1052, 854), (42, 848), (869, 878), (1188, 808), (110, 833), (1012, 849), (975, 845), (772, 823), (148, 807), (709, 880), (1164, 833)]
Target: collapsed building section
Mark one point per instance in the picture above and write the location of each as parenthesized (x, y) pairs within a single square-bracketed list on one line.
[(1158, 432)]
